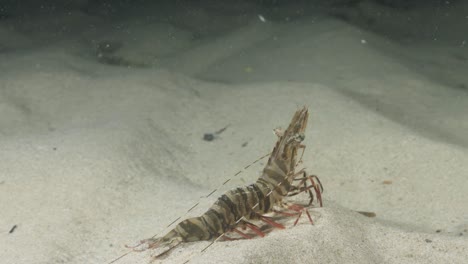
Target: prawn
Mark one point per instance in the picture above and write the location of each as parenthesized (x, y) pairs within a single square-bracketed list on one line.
[(237, 207)]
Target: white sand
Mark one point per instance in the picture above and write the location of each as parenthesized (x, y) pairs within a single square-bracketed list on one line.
[(94, 156)]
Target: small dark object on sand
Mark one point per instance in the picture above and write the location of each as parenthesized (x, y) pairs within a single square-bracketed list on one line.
[(13, 229), (212, 136), (208, 137), (368, 214)]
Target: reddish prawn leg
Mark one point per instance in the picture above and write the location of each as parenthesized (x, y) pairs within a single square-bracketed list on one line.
[(272, 223), (317, 186), (244, 225), (300, 209), (253, 227), (300, 188)]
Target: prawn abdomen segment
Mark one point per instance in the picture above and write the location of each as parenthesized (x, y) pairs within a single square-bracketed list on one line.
[(238, 203), (192, 229)]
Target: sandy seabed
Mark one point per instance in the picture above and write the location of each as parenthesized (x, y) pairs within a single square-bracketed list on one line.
[(101, 133)]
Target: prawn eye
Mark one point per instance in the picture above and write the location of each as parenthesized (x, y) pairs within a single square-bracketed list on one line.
[(299, 137)]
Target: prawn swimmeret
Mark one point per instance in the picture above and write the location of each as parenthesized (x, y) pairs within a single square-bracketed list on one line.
[(235, 208)]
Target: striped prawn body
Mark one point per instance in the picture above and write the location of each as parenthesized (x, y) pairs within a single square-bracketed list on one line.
[(251, 202), (223, 216)]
